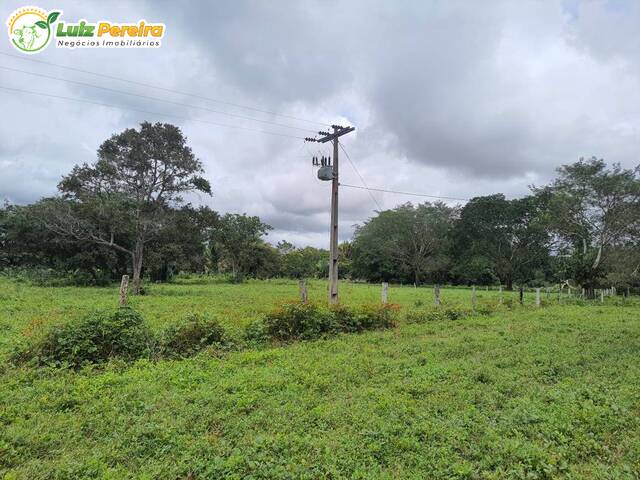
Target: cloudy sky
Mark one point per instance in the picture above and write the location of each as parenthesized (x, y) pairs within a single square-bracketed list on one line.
[(452, 98)]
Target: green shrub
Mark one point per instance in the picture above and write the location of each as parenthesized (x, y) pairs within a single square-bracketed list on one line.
[(306, 321), (436, 314), (96, 338), (368, 317), (49, 277), (256, 332), (486, 307), (376, 317), (297, 321), (190, 336)]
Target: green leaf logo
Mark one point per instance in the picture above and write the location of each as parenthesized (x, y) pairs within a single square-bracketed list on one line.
[(53, 16), (41, 24)]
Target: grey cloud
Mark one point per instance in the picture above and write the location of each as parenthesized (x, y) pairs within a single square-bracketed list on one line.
[(449, 98)]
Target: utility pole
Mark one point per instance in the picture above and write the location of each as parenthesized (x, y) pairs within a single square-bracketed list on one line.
[(334, 137)]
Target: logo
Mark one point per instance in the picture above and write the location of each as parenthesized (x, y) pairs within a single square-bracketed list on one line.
[(30, 28)]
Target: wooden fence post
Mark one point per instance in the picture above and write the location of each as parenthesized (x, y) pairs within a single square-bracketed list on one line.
[(473, 297), (436, 294), (601, 295), (521, 295), (124, 290), (538, 297), (302, 288), (385, 292), (500, 299)]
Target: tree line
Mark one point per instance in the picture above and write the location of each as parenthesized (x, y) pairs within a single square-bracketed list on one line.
[(125, 214), (582, 228)]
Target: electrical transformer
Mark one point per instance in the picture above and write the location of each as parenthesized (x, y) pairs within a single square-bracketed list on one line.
[(325, 173)]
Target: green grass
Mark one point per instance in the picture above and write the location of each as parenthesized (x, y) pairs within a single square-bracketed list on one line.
[(548, 393)]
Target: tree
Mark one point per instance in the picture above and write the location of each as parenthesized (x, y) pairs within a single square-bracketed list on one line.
[(592, 210), (500, 239), (180, 243), (406, 243), (25, 244), (120, 200), (264, 261), (237, 238), (302, 262)]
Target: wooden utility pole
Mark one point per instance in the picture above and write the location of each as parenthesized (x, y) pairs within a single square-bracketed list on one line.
[(334, 137)]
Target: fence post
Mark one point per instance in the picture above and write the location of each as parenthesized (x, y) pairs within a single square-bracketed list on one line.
[(302, 288), (548, 293), (538, 297), (601, 295), (473, 297), (124, 290), (436, 295), (385, 292), (521, 295), (500, 299)]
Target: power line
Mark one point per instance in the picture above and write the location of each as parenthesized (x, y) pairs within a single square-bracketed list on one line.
[(405, 193), (361, 179), (235, 115), (121, 107), (147, 85)]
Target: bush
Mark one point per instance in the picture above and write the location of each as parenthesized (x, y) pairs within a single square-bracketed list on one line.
[(376, 317), (96, 338), (306, 321), (256, 332), (487, 307), (297, 321), (49, 277), (435, 315), (190, 336)]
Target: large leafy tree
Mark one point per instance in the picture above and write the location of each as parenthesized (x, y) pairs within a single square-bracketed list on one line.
[(25, 244), (120, 200), (303, 262), (500, 239), (238, 239), (181, 243), (406, 243), (593, 209)]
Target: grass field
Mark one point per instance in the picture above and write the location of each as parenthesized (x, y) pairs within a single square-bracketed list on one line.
[(524, 393)]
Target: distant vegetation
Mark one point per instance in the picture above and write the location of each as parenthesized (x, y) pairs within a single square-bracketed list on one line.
[(125, 214)]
